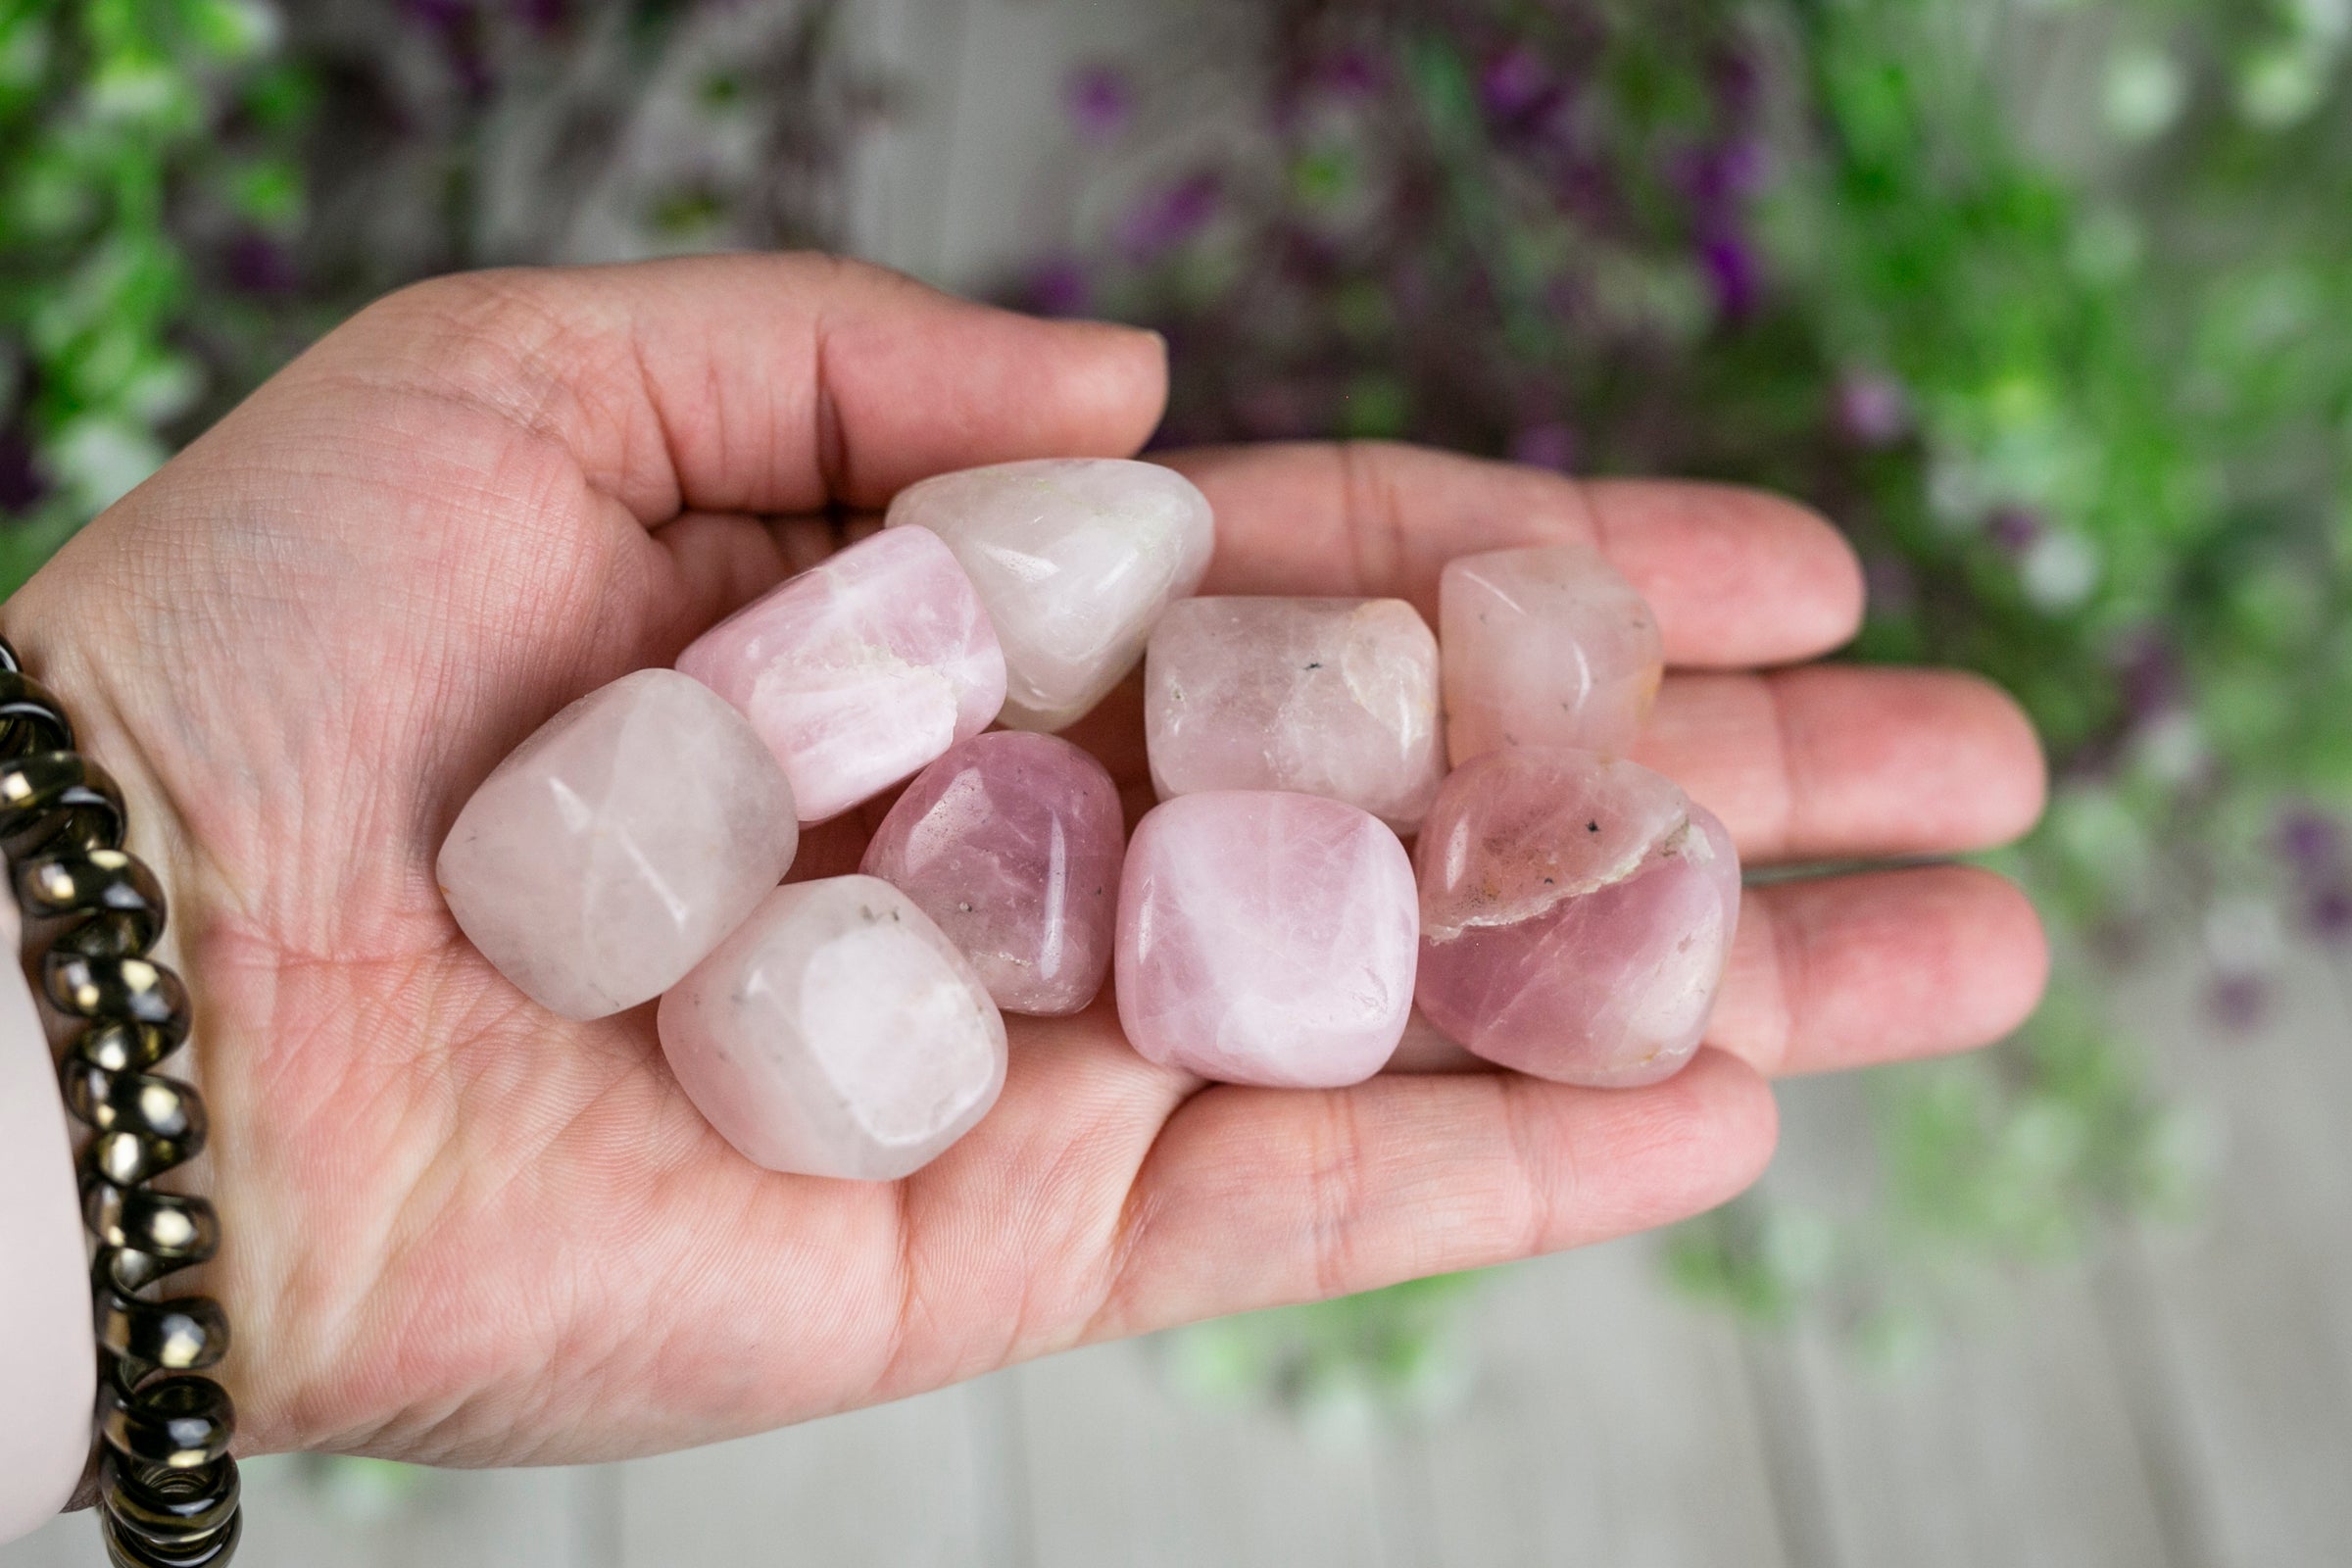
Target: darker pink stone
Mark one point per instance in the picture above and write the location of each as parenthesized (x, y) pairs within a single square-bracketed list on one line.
[(1012, 843), (1576, 914)]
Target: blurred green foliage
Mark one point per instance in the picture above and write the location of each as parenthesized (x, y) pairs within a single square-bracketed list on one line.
[(109, 118), (2043, 300)]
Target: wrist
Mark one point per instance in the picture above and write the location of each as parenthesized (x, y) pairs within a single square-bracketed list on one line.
[(46, 1360), (95, 913)]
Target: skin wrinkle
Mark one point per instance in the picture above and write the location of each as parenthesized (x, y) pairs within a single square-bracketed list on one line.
[(1334, 1180), (1788, 970), (832, 445), (1138, 1211), (1368, 481), (1782, 770), (1549, 1185), (458, 1174)]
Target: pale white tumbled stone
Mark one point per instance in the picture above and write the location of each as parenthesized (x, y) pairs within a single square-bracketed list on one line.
[(1544, 645), (45, 1360), (1333, 697), (1075, 559), (837, 1033), (613, 848)]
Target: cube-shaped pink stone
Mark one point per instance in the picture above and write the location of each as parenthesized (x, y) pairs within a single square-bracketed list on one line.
[(1576, 914), (1544, 645), (1266, 938), (860, 669), (837, 1033), (614, 847), (1012, 843), (1335, 697)]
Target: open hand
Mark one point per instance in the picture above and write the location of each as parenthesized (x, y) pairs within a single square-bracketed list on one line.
[(461, 1230)]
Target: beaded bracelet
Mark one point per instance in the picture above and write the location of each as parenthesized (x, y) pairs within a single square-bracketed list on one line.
[(166, 1486)]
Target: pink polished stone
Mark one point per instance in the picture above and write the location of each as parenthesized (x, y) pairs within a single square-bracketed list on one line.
[(1012, 843), (613, 848), (1545, 646), (1575, 912), (860, 669), (1266, 938), (1335, 697), (1075, 557), (837, 1033)]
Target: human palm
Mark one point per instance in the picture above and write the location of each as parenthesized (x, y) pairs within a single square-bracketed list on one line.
[(462, 1230)]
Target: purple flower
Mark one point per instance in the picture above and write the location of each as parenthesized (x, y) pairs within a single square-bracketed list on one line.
[(1170, 215), (258, 265), (541, 15), (2310, 841), (1872, 410), (2238, 1001), (2014, 528), (1058, 286), (22, 484), (1349, 74), (1731, 266), (1547, 444), (2328, 914), (2149, 672), (1721, 176), (1101, 101), (441, 16), (1515, 85)]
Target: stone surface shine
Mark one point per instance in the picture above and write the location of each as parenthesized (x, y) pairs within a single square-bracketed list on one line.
[(1266, 938), (616, 847), (1075, 559), (860, 669), (1012, 843), (1575, 912), (1335, 697), (1545, 646), (837, 1033)]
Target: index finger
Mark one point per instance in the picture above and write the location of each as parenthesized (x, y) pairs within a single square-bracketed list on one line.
[(1737, 578)]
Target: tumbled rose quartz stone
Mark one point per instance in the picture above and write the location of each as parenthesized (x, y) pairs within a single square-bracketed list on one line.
[(1012, 843), (1545, 646), (613, 848), (860, 669), (1266, 938), (1075, 559), (1334, 697), (1576, 911), (837, 1033)]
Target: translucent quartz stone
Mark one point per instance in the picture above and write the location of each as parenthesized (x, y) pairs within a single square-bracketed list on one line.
[(1266, 938), (614, 847), (1334, 697), (1576, 911), (837, 1033), (1075, 559), (860, 669), (1012, 843), (1545, 646)]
